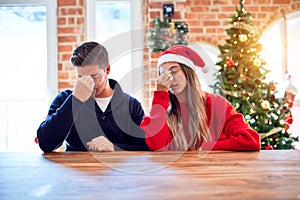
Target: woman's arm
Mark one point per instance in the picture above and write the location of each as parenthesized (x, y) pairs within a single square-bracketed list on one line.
[(232, 131), (158, 136)]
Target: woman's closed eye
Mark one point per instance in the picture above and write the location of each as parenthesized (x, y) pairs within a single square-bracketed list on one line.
[(174, 72)]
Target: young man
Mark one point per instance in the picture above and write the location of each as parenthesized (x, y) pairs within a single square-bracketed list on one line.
[(97, 115)]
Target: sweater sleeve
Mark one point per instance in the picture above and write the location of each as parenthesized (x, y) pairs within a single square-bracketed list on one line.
[(158, 136), (231, 130), (52, 132)]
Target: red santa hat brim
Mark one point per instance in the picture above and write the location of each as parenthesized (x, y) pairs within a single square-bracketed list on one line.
[(184, 55)]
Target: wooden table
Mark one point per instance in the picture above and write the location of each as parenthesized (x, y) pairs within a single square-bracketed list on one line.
[(151, 175)]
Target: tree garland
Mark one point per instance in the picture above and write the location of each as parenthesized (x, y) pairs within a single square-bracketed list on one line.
[(166, 34)]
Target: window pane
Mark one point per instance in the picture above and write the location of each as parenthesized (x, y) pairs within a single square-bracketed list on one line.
[(272, 53), (293, 44), (23, 52), (112, 21), (23, 83)]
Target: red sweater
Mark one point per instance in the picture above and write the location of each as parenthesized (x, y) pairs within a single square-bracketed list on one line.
[(229, 130)]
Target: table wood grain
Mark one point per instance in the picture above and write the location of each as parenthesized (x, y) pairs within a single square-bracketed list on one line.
[(151, 175)]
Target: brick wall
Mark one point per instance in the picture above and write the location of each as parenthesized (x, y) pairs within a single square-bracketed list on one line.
[(70, 33), (207, 20)]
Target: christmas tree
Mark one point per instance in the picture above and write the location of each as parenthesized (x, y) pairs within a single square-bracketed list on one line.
[(245, 86)]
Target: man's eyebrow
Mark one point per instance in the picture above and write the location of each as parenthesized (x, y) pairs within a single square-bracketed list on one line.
[(90, 75), (94, 74)]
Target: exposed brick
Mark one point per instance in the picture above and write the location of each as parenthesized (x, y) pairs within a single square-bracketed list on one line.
[(199, 9), (71, 21), (80, 20), (228, 9), (155, 5), (268, 8), (61, 21), (67, 30), (64, 85), (224, 15), (66, 56), (60, 67), (66, 39), (252, 9), (211, 23), (154, 14), (207, 16), (201, 3), (196, 30), (71, 11), (194, 23), (281, 1), (65, 48), (63, 75), (66, 3), (191, 16)]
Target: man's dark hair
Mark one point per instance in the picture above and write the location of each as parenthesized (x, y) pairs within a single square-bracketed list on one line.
[(89, 53)]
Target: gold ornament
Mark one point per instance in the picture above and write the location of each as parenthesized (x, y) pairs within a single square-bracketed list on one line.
[(243, 37), (257, 62), (244, 26), (265, 105)]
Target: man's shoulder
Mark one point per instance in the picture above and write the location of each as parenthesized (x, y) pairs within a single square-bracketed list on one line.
[(62, 95), (65, 93), (131, 98)]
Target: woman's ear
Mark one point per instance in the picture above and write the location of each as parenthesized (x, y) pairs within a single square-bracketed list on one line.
[(107, 69)]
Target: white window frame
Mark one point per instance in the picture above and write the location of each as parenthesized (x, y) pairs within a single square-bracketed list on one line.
[(283, 31), (52, 78), (135, 84), (52, 70)]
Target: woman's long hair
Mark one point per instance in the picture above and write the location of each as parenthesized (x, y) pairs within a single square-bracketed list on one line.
[(197, 124)]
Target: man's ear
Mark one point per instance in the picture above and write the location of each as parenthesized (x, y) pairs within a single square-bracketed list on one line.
[(107, 69)]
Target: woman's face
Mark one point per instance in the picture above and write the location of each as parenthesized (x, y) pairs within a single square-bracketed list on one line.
[(179, 83)]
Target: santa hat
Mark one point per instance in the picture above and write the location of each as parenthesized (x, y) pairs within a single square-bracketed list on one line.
[(184, 55)]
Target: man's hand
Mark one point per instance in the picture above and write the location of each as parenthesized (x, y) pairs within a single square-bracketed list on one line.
[(100, 144), (164, 82), (84, 88)]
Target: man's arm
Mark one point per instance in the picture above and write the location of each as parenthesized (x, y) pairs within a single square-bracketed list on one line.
[(53, 131)]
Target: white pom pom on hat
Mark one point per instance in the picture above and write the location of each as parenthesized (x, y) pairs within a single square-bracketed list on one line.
[(184, 55)]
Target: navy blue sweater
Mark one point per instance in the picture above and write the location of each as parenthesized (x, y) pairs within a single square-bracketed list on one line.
[(77, 123)]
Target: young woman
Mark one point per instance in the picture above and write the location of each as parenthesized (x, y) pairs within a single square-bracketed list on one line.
[(183, 117)]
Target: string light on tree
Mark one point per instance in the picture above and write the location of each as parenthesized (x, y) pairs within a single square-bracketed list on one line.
[(243, 38)]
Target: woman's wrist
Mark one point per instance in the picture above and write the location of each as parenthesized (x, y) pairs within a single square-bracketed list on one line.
[(162, 88)]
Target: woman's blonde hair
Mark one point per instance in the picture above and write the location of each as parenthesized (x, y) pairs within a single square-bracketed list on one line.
[(197, 125)]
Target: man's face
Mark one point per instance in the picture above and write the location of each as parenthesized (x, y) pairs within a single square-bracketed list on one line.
[(99, 75)]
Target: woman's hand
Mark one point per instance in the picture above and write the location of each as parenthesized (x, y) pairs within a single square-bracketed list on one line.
[(164, 81)]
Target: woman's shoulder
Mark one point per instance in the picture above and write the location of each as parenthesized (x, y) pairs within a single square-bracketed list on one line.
[(214, 97)]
